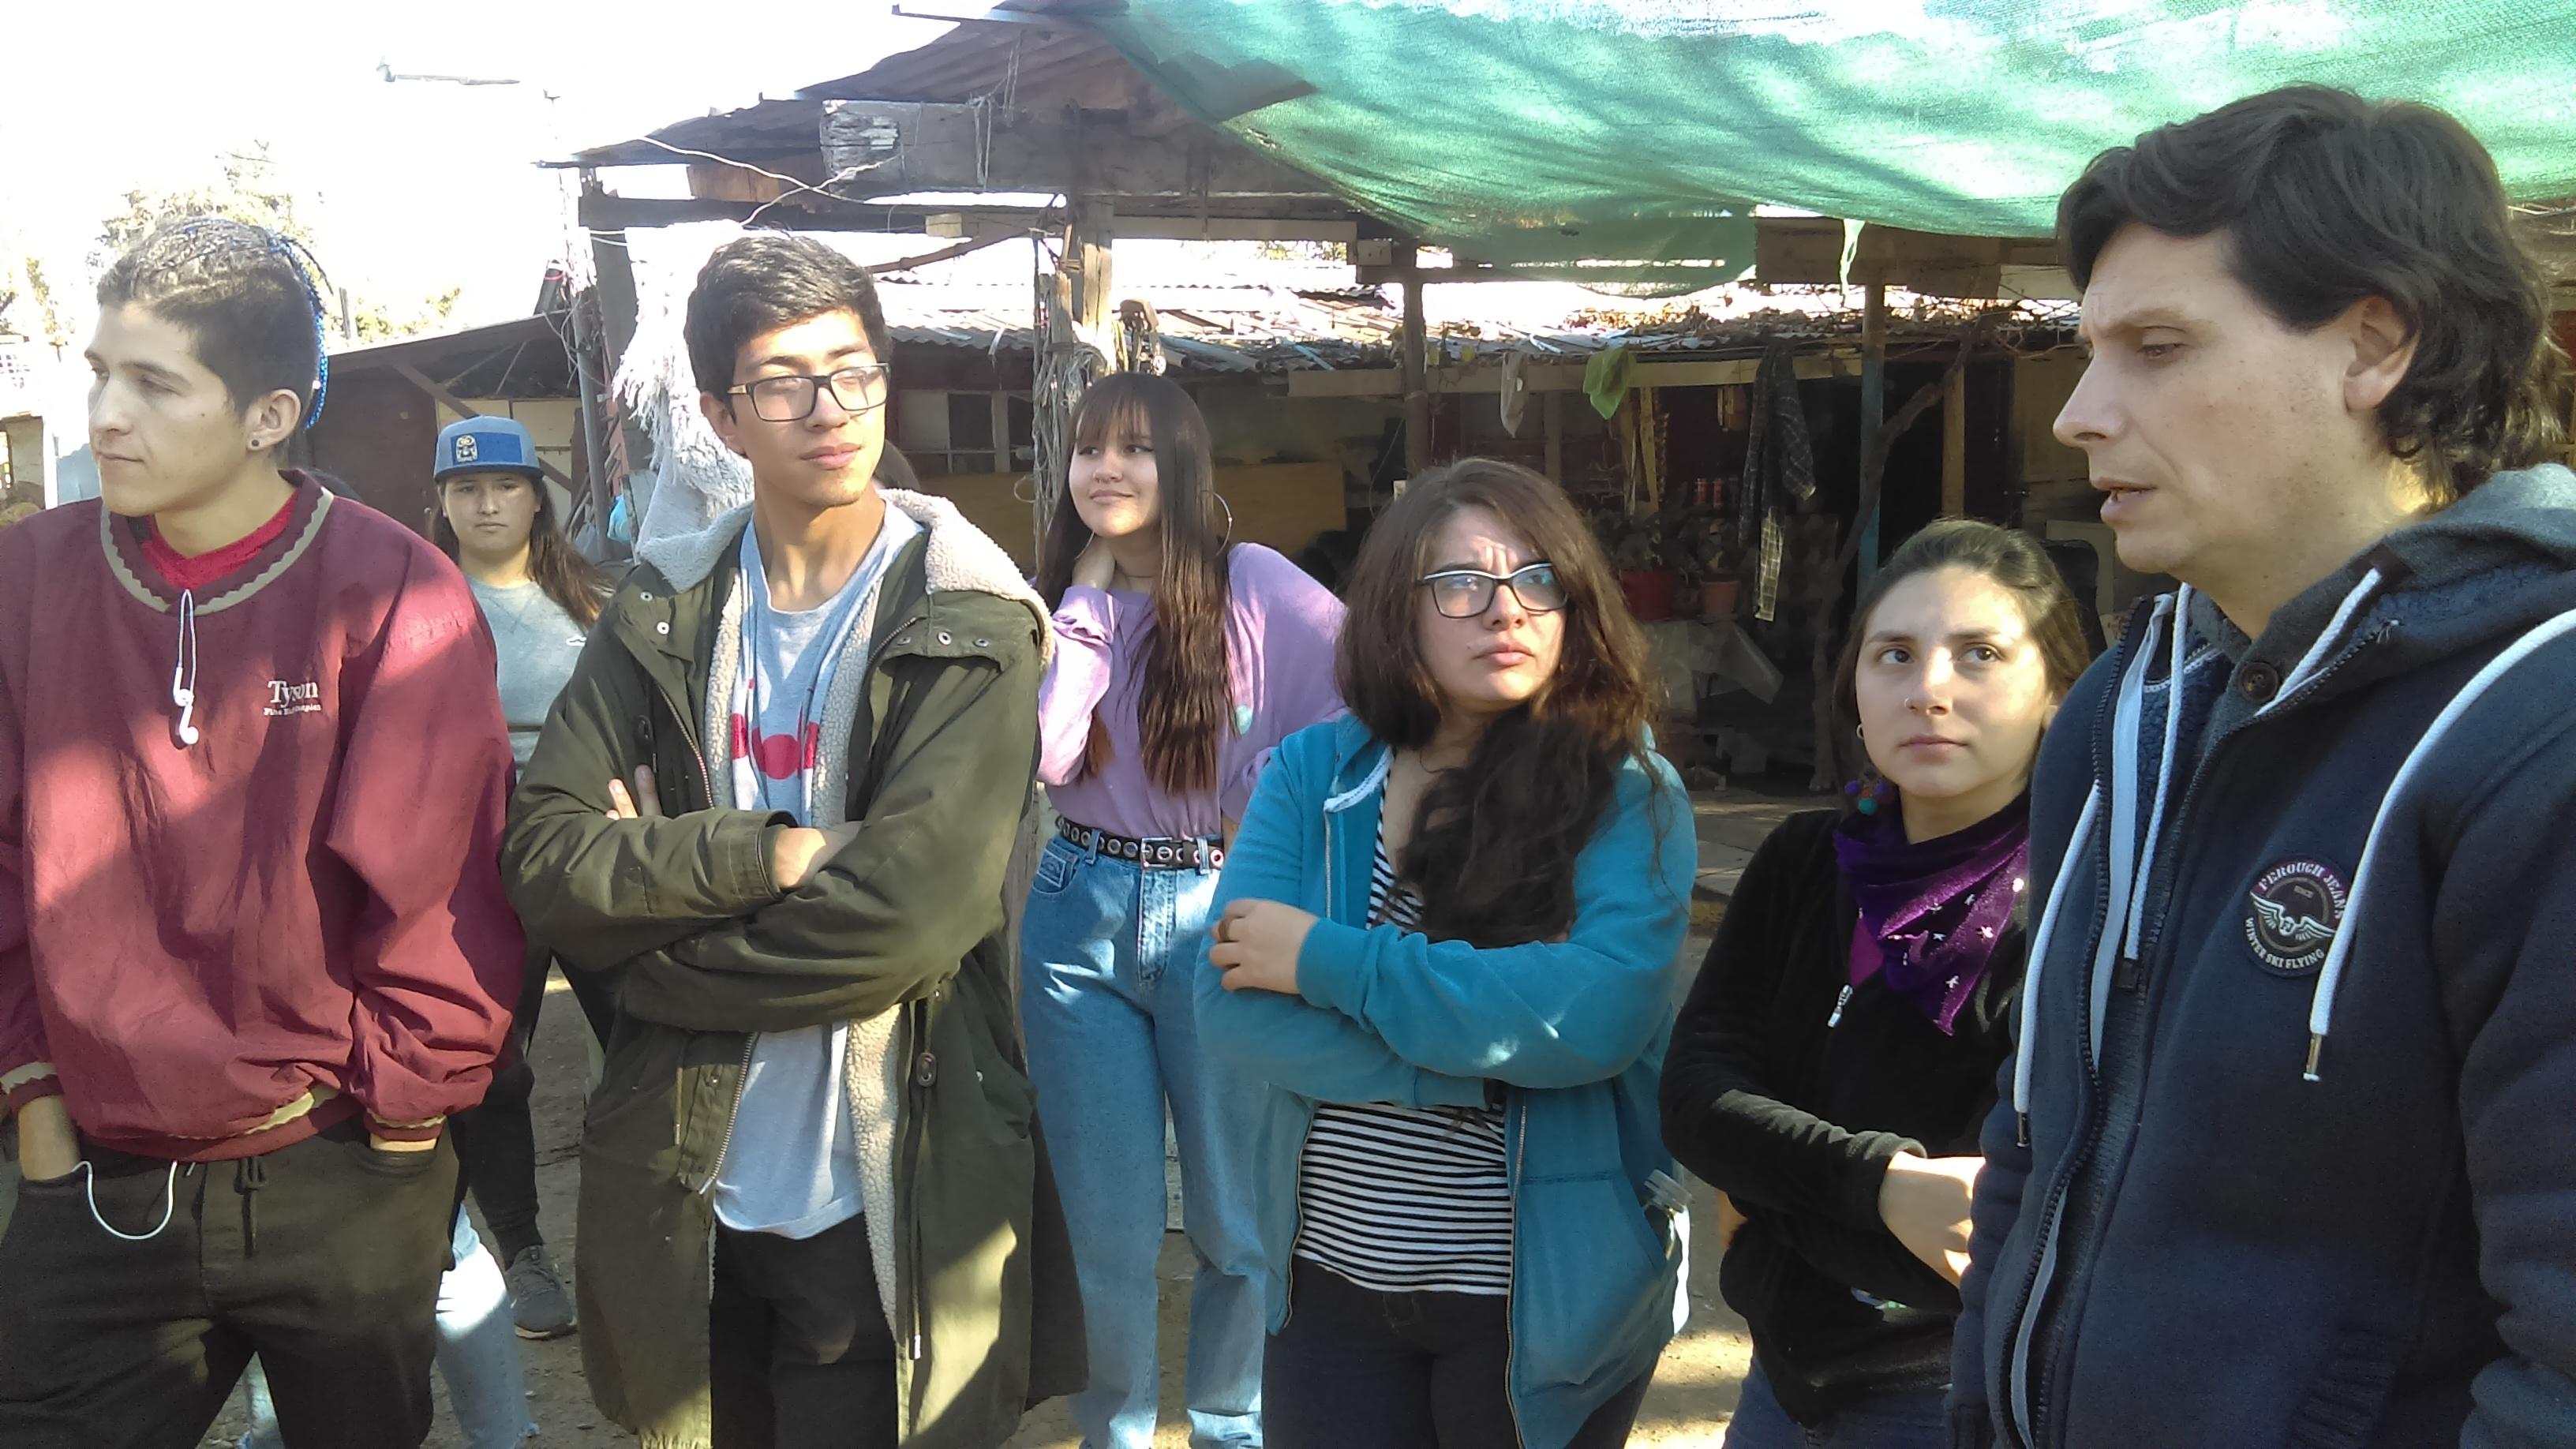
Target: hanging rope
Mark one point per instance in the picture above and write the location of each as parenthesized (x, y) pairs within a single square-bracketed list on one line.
[(1065, 364)]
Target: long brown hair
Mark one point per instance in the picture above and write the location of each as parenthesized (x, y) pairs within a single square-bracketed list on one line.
[(2017, 564), (573, 582), (1186, 692), (1493, 850)]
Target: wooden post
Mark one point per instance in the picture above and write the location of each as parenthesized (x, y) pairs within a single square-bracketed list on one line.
[(1954, 446), (1415, 366), (614, 273), (588, 374), (1554, 403), (1087, 262), (1873, 411)]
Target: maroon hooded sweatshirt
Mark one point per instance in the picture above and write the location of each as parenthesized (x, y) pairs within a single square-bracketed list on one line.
[(214, 948)]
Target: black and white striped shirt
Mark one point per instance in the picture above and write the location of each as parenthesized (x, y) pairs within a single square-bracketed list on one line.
[(1405, 1199)]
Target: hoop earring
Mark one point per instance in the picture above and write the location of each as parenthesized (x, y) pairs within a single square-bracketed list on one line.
[(1226, 537)]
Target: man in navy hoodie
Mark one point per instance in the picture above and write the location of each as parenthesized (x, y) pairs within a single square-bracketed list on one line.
[(2288, 1156)]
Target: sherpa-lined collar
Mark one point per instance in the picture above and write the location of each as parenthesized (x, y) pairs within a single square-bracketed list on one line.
[(960, 558)]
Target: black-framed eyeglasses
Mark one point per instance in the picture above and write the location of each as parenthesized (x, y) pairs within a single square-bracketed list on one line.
[(858, 388), (1466, 593)]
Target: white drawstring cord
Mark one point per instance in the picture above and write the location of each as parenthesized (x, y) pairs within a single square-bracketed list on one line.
[(169, 1204), (2126, 773), (183, 675), (2164, 771), (2314, 659), (2124, 747), (2026, 1049), (2321, 1005), (1364, 788)]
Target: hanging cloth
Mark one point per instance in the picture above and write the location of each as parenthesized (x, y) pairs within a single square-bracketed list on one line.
[(1779, 469), (1515, 395), (1606, 379)]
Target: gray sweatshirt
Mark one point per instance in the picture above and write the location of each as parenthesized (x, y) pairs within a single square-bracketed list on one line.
[(539, 644)]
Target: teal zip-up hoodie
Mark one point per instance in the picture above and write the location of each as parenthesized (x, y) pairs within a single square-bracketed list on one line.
[(1572, 1031)]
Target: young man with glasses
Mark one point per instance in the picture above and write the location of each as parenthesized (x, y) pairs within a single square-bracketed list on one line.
[(774, 808)]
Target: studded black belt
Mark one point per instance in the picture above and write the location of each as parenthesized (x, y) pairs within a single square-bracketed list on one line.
[(1183, 854)]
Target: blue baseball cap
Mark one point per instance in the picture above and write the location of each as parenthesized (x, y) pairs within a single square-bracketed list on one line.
[(485, 444)]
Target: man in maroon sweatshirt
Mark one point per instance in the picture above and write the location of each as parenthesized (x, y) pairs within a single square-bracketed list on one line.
[(253, 946)]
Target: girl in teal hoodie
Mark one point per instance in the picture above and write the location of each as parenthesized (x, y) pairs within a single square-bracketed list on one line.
[(1447, 941)]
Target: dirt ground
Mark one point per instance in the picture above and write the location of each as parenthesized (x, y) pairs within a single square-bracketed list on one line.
[(1693, 1394)]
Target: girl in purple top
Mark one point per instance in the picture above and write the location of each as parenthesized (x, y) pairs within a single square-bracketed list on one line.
[(1180, 665)]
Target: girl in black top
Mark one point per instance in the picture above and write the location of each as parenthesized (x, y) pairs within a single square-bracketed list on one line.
[(1839, 1049)]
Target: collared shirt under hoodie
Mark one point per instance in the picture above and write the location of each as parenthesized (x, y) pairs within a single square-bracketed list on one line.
[(793, 1166), (2287, 1120), (215, 942)]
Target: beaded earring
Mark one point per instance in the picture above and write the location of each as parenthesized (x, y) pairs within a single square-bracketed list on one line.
[(1867, 795)]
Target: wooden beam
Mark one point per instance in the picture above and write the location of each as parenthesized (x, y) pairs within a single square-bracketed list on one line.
[(455, 404), (1954, 447), (603, 211), (1798, 250), (587, 355), (1554, 377), (1873, 419), (1413, 363), (614, 268), (1010, 222), (1554, 406), (1808, 251), (1087, 262)]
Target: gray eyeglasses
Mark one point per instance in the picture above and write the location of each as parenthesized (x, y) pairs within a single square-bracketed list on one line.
[(858, 388), (1466, 593)]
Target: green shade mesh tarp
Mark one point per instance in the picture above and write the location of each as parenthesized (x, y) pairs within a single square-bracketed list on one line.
[(1633, 138)]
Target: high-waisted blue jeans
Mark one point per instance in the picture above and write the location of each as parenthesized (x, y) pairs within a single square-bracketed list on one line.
[(1107, 950)]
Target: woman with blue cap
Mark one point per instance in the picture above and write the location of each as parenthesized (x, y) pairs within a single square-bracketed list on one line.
[(496, 517)]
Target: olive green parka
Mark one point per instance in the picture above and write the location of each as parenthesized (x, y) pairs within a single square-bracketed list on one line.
[(899, 933)]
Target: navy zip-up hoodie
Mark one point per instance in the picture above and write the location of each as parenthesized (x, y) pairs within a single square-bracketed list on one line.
[(2288, 1154)]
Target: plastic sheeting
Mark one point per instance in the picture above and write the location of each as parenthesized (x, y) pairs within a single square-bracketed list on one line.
[(1634, 138)]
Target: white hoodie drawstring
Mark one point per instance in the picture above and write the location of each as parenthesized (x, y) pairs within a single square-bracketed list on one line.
[(2321, 1005), (2025, 1049), (2314, 660), (2181, 631), (1364, 788), (183, 674), (2125, 770), (2124, 825)]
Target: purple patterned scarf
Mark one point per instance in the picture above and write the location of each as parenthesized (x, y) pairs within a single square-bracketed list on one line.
[(1936, 908)]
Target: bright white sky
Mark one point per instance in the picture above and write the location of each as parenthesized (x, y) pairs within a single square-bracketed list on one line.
[(416, 186), (410, 187)]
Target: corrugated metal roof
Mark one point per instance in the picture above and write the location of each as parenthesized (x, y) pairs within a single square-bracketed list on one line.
[(1238, 329), (971, 60), (1239, 326), (974, 60)]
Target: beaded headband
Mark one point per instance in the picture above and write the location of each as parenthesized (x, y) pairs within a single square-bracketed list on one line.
[(217, 235)]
